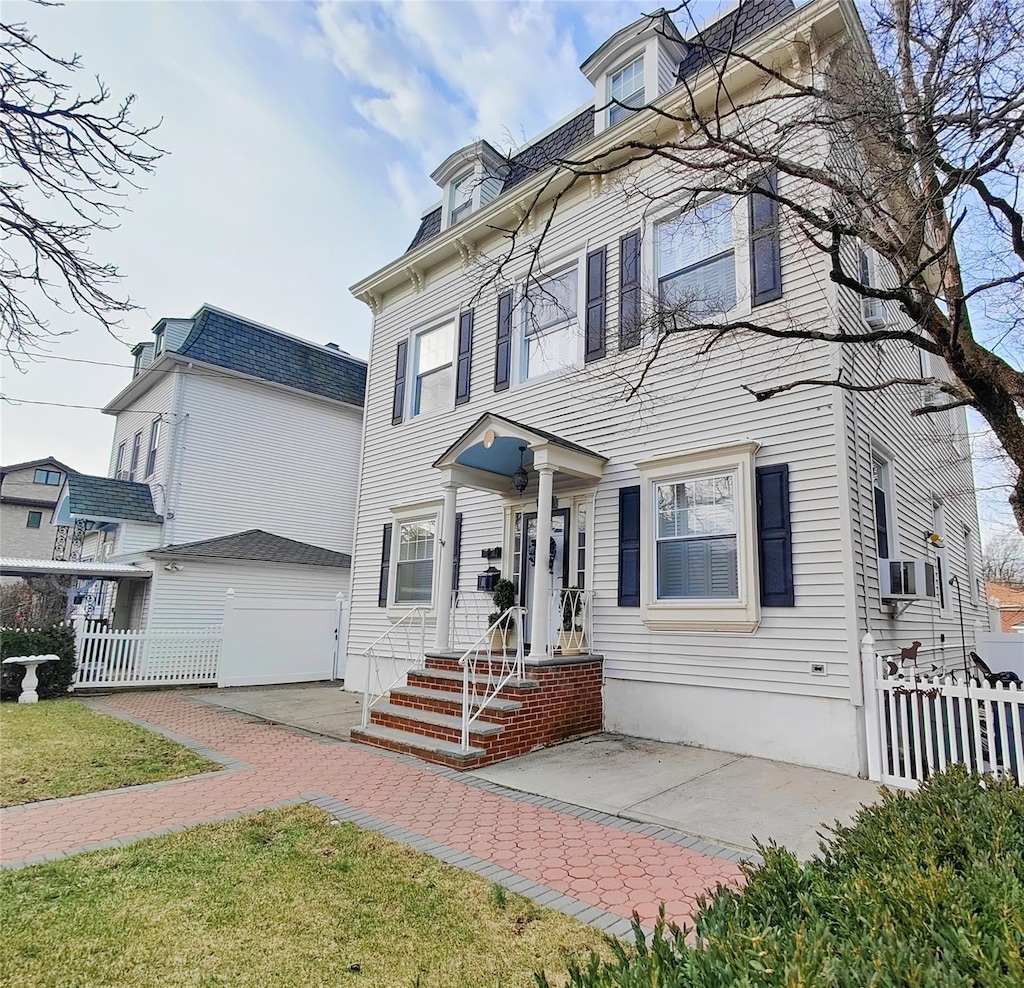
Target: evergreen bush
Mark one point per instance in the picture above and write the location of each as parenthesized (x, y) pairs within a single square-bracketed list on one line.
[(925, 889), (55, 678)]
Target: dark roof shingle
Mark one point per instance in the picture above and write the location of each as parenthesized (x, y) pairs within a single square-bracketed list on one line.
[(232, 342), (430, 227), (259, 546), (104, 497), (750, 18)]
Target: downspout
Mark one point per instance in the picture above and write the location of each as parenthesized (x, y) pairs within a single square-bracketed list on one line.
[(175, 457)]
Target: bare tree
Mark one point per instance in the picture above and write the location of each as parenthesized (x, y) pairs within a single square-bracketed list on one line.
[(902, 143), (1003, 559), (67, 160)]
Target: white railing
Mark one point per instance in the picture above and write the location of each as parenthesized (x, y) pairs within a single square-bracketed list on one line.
[(399, 651), (920, 723), (571, 621), (108, 659), (489, 664), (468, 617)]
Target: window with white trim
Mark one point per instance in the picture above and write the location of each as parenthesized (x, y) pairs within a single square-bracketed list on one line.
[(414, 568), (550, 338), (626, 87), (159, 345), (133, 468), (942, 571), (696, 258), (696, 538), (154, 438), (119, 471), (698, 530), (433, 380), (460, 198)]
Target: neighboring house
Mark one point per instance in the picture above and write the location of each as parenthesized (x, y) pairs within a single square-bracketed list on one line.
[(234, 466), (1009, 602), (28, 495), (733, 553)]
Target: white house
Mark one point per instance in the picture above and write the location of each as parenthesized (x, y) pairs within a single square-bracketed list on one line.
[(233, 466), (729, 551)]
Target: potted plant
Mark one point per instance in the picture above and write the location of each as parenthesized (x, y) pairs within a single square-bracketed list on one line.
[(504, 597), (572, 638)]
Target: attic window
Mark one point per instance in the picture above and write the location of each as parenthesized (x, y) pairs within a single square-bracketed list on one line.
[(159, 344), (626, 87), (461, 198)]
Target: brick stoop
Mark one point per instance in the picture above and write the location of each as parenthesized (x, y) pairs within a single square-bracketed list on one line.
[(559, 699)]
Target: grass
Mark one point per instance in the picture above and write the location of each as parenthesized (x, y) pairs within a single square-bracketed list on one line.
[(284, 898), (64, 748)]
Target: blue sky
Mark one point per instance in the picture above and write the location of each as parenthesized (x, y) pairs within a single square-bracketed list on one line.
[(301, 139)]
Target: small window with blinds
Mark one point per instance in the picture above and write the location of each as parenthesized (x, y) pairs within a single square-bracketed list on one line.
[(433, 370), (696, 539), (696, 256), (414, 568)]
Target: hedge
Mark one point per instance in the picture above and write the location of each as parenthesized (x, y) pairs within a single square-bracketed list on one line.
[(925, 889), (55, 678)]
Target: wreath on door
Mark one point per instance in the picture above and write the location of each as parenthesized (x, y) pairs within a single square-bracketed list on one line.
[(531, 553)]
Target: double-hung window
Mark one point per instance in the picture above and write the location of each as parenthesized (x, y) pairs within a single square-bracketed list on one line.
[(696, 538), (433, 374), (696, 254), (133, 468), (154, 438), (551, 337), (461, 195), (159, 346), (414, 569), (119, 470), (626, 87), (880, 477)]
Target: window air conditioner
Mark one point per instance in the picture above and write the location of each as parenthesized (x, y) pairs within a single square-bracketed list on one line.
[(874, 312), (907, 579)]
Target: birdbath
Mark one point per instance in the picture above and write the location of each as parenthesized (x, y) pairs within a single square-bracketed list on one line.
[(29, 683)]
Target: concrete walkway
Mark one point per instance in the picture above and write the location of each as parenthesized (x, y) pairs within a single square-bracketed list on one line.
[(729, 799), (584, 862)]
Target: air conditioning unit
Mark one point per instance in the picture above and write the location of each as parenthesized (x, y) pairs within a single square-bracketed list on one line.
[(121, 475), (907, 579), (874, 312)]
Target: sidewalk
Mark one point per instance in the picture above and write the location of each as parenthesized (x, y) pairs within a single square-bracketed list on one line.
[(582, 861)]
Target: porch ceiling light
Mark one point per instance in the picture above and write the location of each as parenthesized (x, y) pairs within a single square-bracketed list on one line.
[(520, 478)]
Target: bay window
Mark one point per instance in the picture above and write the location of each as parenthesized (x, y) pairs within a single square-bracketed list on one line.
[(696, 258)]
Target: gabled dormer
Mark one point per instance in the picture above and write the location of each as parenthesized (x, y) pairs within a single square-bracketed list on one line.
[(469, 178), (168, 334), (634, 67)]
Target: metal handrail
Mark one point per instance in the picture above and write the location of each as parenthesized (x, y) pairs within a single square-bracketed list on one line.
[(577, 602), (375, 652), (510, 623), (468, 613)]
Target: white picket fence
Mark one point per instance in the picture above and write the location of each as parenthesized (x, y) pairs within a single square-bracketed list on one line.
[(919, 724), (108, 659)]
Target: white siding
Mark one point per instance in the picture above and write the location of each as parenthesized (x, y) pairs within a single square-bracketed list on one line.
[(668, 68), (193, 597), (136, 536), (253, 456)]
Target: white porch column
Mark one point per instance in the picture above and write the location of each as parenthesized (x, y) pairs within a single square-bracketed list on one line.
[(444, 578), (539, 616)]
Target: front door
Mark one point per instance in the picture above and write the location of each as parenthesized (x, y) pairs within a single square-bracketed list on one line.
[(556, 559)]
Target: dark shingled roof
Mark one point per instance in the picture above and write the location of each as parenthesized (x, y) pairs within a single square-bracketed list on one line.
[(229, 341), (572, 134), (750, 18), (259, 546), (45, 461), (104, 497), (430, 226)]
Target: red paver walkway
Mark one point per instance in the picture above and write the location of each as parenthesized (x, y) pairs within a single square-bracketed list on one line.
[(614, 869)]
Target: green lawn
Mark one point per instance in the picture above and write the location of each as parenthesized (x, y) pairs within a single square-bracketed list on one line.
[(282, 899), (63, 748)]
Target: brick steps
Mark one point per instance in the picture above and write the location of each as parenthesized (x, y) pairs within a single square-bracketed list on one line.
[(561, 699)]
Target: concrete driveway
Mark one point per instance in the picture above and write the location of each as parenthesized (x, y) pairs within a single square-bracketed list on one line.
[(729, 799), (321, 708)]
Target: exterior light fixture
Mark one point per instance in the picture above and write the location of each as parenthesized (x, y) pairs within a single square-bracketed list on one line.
[(520, 478)]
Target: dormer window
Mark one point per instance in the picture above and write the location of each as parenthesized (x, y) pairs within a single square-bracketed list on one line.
[(159, 344), (626, 87), (461, 198)]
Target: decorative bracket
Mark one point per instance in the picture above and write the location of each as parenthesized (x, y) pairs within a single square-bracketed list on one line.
[(417, 278), (596, 184), (373, 301), (684, 131), (467, 250)]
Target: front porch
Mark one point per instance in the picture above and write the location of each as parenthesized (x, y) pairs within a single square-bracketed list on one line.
[(497, 675)]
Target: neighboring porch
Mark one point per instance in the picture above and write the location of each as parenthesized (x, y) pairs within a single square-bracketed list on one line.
[(488, 682)]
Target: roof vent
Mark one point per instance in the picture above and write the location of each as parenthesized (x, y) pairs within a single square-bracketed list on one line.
[(332, 346)]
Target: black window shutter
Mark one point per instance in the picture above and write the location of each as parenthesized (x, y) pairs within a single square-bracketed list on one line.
[(765, 249), (881, 524), (774, 538), (465, 357), (401, 366), (503, 355), (629, 547), (457, 555), (385, 566), (629, 290), (594, 344)]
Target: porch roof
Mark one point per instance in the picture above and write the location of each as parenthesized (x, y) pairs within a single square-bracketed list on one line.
[(69, 567)]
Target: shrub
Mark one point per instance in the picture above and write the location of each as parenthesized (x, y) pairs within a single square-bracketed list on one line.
[(55, 678), (925, 889)]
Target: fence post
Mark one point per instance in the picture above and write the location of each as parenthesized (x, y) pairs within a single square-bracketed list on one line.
[(79, 626), (872, 718), (995, 618)]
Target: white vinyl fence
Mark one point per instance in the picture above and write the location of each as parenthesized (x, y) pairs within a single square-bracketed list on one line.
[(918, 724), (108, 659)]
